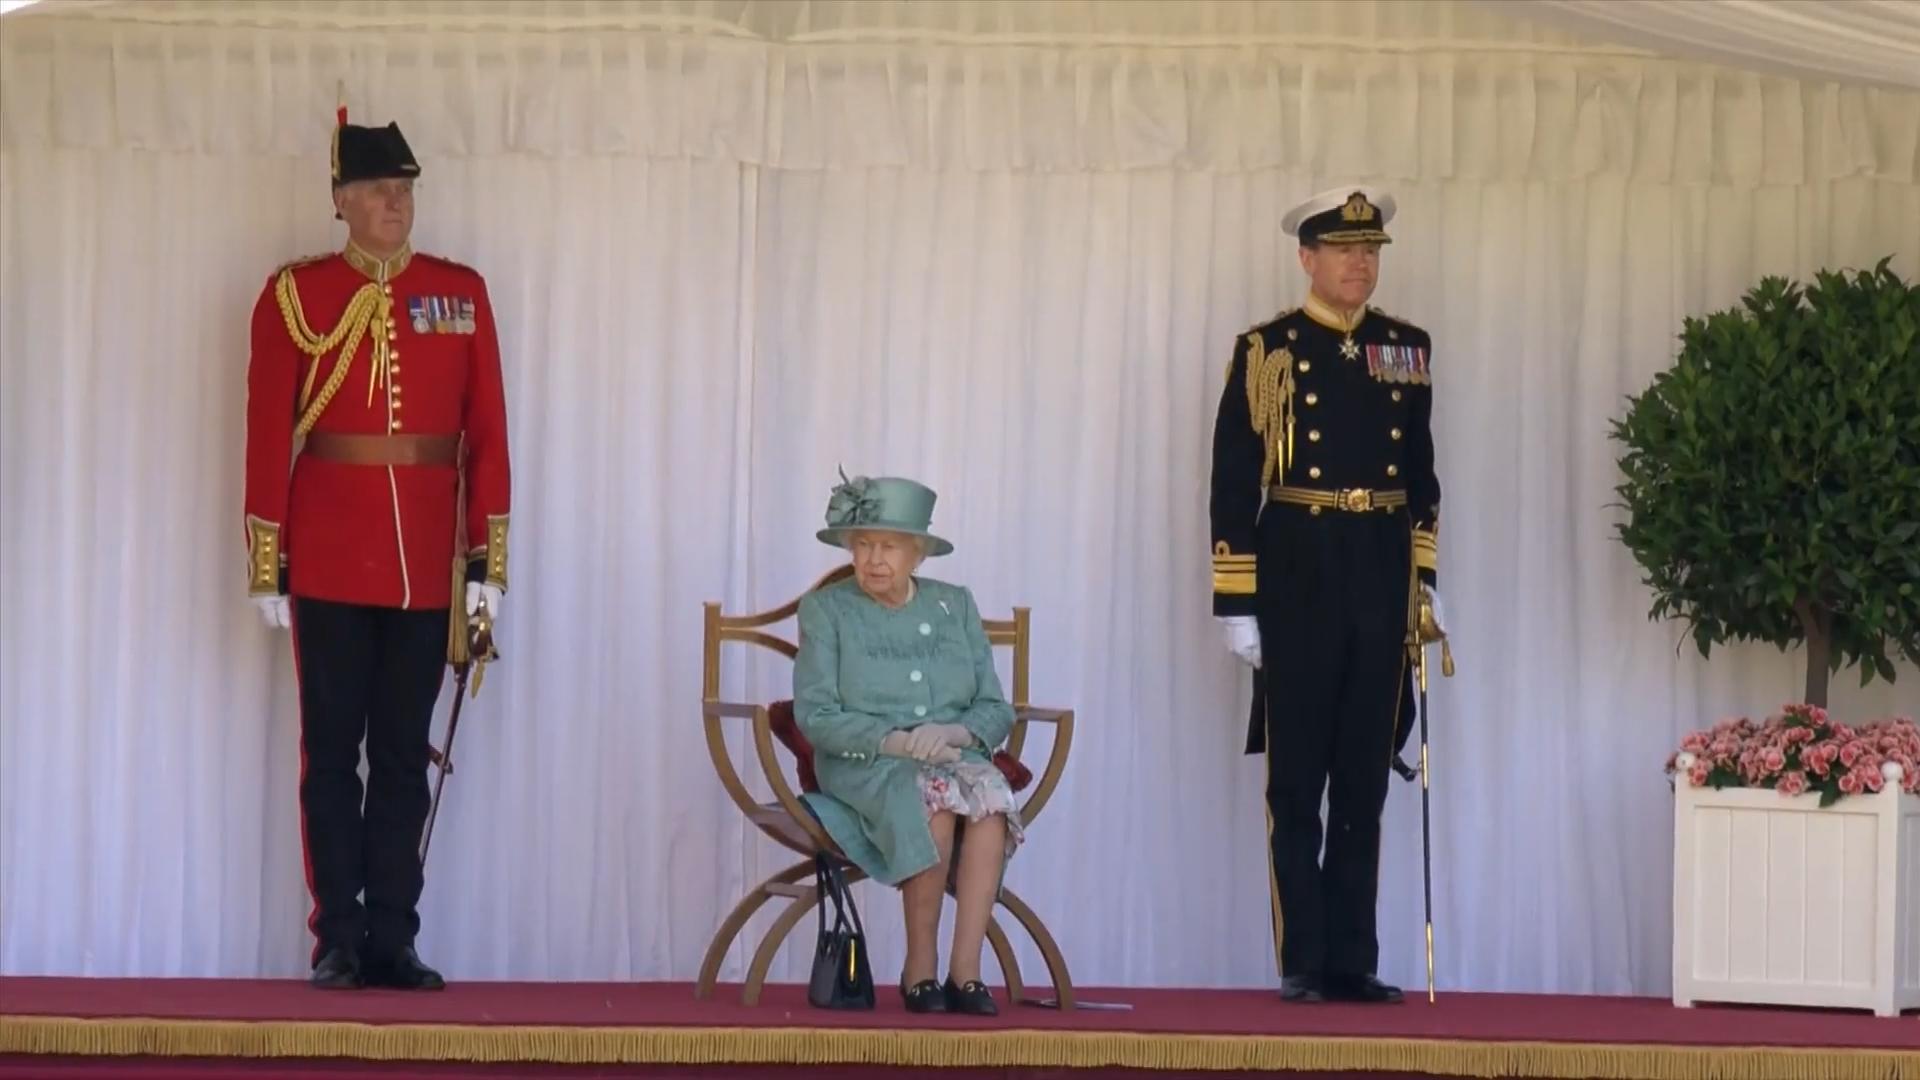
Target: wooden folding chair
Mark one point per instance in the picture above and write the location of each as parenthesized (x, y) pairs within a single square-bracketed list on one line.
[(787, 822)]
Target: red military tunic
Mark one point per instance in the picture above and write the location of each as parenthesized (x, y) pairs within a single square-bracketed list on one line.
[(424, 361)]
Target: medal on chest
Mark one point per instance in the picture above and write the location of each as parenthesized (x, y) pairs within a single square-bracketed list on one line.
[(441, 314), (1397, 363)]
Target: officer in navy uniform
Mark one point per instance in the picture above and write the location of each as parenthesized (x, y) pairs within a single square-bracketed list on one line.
[(1325, 514)]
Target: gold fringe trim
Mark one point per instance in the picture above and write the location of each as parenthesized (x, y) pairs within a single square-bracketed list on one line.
[(924, 1048)]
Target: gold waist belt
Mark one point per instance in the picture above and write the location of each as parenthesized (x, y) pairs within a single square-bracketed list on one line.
[(1351, 500)]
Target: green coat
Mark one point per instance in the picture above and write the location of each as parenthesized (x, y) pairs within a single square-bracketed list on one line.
[(865, 670)]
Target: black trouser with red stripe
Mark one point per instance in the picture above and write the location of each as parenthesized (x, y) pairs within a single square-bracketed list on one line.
[(1332, 604), (372, 674)]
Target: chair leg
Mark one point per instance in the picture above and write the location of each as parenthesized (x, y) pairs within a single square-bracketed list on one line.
[(1049, 951), (736, 921), (1009, 963), (770, 944)]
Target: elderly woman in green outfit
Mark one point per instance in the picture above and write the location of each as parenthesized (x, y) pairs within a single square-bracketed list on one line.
[(895, 689)]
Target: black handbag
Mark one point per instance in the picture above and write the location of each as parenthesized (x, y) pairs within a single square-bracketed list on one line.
[(842, 978)]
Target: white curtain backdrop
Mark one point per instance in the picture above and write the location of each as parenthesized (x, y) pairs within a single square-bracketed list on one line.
[(1852, 40), (1002, 248)]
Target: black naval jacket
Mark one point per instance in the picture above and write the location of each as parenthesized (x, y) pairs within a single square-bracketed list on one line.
[(1311, 405)]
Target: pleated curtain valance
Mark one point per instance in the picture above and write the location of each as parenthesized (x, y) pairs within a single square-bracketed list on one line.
[(693, 85)]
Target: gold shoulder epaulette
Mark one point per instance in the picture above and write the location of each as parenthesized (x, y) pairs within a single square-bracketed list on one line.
[(1391, 317), (1269, 320), (444, 261), (303, 260)]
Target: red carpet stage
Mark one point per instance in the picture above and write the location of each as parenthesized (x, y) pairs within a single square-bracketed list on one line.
[(176, 1028)]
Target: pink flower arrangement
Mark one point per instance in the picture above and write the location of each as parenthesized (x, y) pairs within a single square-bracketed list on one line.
[(1801, 751)]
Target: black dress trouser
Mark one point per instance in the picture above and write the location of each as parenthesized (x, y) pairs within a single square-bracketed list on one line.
[(367, 674), (1332, 604)]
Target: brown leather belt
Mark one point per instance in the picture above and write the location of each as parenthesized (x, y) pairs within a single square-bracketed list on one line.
[(383, 449), (1351, 500)]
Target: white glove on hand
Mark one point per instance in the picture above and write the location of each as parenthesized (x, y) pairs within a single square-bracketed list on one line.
[(1243, 637), (928, 742), (275, 611), (957, 735), (478, 589), (924, 743)]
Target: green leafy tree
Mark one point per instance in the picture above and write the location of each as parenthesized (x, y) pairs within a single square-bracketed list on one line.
[(1772, 474)]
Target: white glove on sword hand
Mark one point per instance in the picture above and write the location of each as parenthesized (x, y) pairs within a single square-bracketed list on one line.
[(477, 590)]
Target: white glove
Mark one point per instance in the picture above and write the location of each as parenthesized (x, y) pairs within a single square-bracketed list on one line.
[(926, 740), (275, 611), (492, 593), (1243, 637), (924, 743), (957, 735)]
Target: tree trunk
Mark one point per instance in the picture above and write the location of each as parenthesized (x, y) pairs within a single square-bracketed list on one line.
[(1817, 624)]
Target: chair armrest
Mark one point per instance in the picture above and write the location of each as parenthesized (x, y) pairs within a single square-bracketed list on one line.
[(715, 712), (1062, 720), (1041, 714)]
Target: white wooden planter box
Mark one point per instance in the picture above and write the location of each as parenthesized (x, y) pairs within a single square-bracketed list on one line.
[(1777, 901)]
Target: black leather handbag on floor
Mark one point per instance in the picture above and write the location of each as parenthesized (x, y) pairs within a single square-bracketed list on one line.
[(842, 978)]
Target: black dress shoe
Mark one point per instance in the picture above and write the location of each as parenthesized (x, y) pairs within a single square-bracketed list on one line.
[(970, 997), (925, 996), (403, 971), (1362, 988), (1305, 988), (338, 969)]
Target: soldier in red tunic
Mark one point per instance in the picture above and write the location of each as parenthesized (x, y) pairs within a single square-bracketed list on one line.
[(376, 526)]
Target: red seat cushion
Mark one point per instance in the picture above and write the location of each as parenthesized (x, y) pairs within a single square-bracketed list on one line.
[(1018, 775), (787, 730)]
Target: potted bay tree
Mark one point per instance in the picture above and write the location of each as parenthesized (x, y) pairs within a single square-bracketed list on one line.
[(1770, 482)]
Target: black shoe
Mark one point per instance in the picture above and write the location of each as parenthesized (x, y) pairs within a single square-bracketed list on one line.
[(403, 971), (338, 969), (1305, 988), (1364, 989), (970, 997), (924, 996)]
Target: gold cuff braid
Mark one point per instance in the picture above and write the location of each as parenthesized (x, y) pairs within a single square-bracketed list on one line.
[(264, 557), (497, 550), (1426, 548), (1233, 575)]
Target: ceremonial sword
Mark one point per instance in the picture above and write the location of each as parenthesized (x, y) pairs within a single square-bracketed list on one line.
[(480, 650)]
